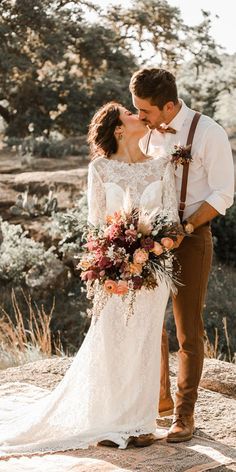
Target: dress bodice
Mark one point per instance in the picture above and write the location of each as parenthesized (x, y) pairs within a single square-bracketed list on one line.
[(149, 184)]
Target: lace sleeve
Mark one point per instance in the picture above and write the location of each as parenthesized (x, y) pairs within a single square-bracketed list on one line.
[(96, 197), (170, 202)]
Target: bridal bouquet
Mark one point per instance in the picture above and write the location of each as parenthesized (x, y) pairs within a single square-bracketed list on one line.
[(132, 250)]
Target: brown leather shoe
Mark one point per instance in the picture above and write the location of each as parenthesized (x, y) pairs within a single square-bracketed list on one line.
[(143, 440), (182, 429), (166, 407)]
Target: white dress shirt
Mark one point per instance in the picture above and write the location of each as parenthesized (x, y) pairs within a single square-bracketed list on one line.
[(211, 173)]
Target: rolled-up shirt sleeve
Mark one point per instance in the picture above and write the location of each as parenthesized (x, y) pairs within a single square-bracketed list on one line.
[(218, 162)]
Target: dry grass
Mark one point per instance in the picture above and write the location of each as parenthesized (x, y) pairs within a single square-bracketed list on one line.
[(25, 341), (211, 350)]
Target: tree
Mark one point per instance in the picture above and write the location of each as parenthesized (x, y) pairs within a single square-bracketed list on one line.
[(57, 67), (151, 25), (213, 91), (50, 59), (202, 46), (157, 32)]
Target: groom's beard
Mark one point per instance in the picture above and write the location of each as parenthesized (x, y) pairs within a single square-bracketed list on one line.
[(148, 124), (152, 125)]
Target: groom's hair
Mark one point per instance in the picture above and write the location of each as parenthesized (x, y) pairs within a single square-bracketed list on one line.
[(156, 85)]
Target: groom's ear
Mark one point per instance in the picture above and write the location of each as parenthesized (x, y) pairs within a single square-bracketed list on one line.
[(169, 107)]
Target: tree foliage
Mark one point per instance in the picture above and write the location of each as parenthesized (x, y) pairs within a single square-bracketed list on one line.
[(57, 66), (157, 28), (52, 62), (213, 91)]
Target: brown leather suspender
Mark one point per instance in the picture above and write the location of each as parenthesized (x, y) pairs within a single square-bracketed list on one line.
[(183, 192), (184, 183), (148, 141)]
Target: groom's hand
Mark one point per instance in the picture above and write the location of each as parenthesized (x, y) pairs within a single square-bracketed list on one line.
[(178, 241)]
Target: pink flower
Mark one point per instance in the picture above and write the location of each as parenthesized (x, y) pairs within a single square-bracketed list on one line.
[(110, 286), (157, 249), (89, 275), (140, 256), (104, 262), (131, 235), (113, 231), (91, 245), (122, 287), (168, 243)]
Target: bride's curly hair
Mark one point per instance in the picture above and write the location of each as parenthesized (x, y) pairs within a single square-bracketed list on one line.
[(101, 136)]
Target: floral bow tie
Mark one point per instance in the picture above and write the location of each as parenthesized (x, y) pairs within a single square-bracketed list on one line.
[(168, 129)]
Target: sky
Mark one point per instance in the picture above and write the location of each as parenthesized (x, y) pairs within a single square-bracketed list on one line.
[(223, 29)]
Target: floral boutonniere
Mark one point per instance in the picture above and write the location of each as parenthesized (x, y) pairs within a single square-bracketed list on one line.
[(181, 155)]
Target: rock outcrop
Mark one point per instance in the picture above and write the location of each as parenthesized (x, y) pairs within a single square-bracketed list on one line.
[(211, 447), (67, 183)]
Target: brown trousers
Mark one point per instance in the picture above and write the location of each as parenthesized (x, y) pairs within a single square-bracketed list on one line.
[(195, 257)]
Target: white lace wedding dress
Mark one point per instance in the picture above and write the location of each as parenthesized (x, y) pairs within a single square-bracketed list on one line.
[(111, 389)]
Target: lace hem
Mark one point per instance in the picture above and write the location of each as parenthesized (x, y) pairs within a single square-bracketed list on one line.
[(121, 439)]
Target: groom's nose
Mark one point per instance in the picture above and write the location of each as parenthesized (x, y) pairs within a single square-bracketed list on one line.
[(141, 115)]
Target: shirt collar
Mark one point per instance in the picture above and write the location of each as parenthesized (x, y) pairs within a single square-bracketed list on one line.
[(179, 119)]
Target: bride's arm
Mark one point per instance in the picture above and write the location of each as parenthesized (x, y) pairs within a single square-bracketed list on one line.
[(96, 197)]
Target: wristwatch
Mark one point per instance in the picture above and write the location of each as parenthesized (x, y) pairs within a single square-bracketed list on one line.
[(188, 227)]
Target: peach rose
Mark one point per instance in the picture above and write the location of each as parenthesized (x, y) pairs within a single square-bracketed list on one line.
[(122, 287), (110, 286), (168, 243), (140, 256), (135, 268), (157, 249)]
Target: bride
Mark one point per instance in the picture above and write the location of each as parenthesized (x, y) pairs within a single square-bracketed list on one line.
[(110, 393)]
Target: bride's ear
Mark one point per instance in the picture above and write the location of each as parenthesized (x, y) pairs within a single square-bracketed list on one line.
[(119, 130)]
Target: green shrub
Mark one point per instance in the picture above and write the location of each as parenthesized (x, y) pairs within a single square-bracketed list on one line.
[(19, 253), (43, 146), (68, 227), (220, 310)]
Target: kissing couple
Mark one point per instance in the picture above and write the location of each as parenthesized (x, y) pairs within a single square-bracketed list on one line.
[(169, 159)]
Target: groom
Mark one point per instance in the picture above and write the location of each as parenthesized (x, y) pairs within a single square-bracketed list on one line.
[(204, 191)]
